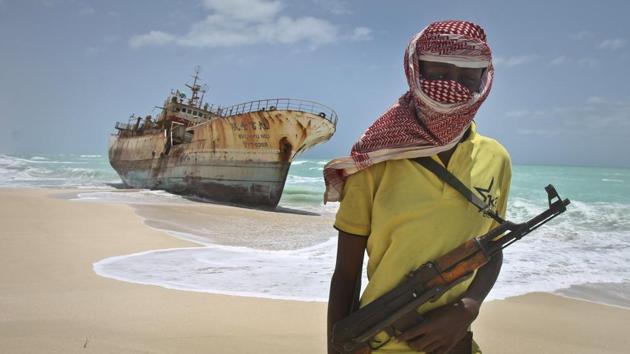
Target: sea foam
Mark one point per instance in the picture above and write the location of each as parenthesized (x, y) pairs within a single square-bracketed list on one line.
[(565, 252)]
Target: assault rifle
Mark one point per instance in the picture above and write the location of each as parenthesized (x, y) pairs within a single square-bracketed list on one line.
[(395, 311)]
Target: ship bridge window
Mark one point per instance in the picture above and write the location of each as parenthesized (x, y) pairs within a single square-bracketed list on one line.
[(195, 113)]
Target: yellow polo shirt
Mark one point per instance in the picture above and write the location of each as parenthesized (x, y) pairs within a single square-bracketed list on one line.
[(411, 216)]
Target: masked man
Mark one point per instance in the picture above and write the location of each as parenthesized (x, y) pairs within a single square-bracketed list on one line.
[(403, 214)]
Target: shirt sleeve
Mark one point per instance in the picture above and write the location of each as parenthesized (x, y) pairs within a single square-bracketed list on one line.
[(355, 210)]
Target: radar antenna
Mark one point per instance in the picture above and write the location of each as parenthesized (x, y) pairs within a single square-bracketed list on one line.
[(204, 89), (195, 88)]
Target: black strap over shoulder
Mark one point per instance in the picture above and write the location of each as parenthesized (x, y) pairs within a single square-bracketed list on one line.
[(451, 180)]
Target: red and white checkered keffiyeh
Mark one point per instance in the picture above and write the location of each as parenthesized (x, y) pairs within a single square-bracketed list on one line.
[(433, 115)]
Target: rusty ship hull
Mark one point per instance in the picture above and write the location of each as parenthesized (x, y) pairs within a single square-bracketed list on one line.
[(240, 154)]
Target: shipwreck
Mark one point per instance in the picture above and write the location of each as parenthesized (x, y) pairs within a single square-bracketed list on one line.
[(238, 154)]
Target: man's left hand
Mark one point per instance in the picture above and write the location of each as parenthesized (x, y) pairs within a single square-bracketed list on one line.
[(443, 327)]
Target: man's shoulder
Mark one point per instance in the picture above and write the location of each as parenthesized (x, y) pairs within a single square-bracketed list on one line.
[(492, 147), (366, 176), (374, 174)]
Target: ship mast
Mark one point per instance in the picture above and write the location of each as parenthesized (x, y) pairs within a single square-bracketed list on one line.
[(195, 88)]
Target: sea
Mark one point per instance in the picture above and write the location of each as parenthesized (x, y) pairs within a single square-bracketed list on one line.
[(584, 253)]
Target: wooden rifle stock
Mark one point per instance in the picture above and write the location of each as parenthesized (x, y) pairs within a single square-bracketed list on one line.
[(395, 311)]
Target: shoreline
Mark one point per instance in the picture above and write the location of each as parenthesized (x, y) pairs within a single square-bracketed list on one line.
[(591, 292), (156, 217), (187, 220), (51, 297)]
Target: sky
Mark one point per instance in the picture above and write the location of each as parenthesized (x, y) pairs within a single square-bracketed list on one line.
[(70, 69)]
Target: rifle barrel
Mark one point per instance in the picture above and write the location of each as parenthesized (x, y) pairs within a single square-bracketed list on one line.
[(517, 231)]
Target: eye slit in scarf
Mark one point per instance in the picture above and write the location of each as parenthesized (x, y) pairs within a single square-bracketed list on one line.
[(432, 115)]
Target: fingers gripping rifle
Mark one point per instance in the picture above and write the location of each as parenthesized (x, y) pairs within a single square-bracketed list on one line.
[(395, 311)]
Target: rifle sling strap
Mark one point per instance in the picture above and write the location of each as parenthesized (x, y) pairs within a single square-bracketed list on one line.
[(451, 180)]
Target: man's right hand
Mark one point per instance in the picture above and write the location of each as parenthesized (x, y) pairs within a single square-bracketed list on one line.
[(444, 328)]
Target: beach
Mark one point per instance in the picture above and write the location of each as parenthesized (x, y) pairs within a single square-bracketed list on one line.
[(52, 300)]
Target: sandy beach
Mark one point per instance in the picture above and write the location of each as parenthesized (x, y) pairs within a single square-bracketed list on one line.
[(51, 300)]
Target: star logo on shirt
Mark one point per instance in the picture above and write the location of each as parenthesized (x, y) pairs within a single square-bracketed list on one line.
[(487, 197)]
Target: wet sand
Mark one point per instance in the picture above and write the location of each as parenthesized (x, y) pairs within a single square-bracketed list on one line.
[(260, 229), (51, 300)]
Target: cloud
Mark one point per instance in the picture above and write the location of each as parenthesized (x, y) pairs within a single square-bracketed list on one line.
[(596, 115), (336, 7), (248, 22), (560, 60), (590, 62), (249, 10), (151, 38), (93, 50), (217, 31), (582, 35), (538, 132), (526, 114), (595, 100), (360, 34), (518, 114), (613, 44), (513, 60)]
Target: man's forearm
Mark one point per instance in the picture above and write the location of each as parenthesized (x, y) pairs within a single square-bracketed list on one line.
[(341, 296), (482, 284), (350, 250)]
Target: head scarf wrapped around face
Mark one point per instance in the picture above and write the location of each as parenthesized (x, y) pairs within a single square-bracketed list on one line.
[(433, 115)]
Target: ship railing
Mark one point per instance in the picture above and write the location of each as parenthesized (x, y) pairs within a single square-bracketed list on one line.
[(124, 126), (288, 104)]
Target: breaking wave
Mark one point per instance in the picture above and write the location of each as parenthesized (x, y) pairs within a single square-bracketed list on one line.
[(57, 171)]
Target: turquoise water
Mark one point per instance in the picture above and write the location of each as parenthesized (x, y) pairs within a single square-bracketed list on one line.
[(586, 184), (588, 244), (305, 183)]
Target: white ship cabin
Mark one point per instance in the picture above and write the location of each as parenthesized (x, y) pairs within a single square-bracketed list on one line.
[(180, 108)]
